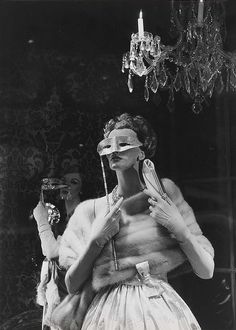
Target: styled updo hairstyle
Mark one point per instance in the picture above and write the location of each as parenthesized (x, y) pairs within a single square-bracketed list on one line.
[(140, 126)]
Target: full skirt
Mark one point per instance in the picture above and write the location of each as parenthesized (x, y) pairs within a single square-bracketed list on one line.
[(138, 307)]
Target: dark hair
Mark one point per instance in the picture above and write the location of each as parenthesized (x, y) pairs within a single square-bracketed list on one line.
[(71, 168), (140, 126)]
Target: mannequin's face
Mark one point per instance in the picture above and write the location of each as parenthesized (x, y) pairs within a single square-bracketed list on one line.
[(74, 183), (124, 159)]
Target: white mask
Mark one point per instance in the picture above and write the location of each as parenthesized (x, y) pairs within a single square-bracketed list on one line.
[(117, 144)]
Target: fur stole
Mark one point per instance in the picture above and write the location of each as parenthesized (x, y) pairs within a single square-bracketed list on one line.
[(138, 240)]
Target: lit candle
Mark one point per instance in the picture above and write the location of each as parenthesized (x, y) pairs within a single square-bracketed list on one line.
[(140, 25), (200, 12)]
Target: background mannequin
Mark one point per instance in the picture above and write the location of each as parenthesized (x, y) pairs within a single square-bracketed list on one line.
[(52, 288)]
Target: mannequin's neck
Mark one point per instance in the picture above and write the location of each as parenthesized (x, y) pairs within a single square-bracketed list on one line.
[(129, 182)]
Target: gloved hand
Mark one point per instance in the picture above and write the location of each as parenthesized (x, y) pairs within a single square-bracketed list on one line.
[(165, 212), (40, 213), (104, 228)]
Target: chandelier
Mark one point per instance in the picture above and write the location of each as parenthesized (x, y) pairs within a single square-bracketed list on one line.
[(196, 65)]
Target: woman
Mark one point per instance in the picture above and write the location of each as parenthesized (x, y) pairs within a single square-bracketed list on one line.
[(52, 287), (125, 243)]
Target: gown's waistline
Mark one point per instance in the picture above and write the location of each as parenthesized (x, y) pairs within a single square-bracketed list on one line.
[(154, 286)]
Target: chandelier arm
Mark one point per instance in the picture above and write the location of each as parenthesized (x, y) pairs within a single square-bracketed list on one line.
[(149, 60), (161, 58), (149, 69), (137, 72)]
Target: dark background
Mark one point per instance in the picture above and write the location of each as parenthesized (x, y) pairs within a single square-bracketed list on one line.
[(60, 79)]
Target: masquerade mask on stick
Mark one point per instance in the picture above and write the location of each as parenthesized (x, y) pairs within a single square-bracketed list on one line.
[(107, 147)]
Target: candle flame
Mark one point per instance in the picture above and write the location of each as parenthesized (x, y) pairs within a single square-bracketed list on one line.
[(141, 14)]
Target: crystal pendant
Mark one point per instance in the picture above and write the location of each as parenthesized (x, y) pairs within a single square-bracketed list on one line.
[(211, 87), (140, 66), (126, 64), (123, 65), (146, 93), (204, 84), (130, 83), (154, 83), (163, 77), (186, 80), (197, 107)]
